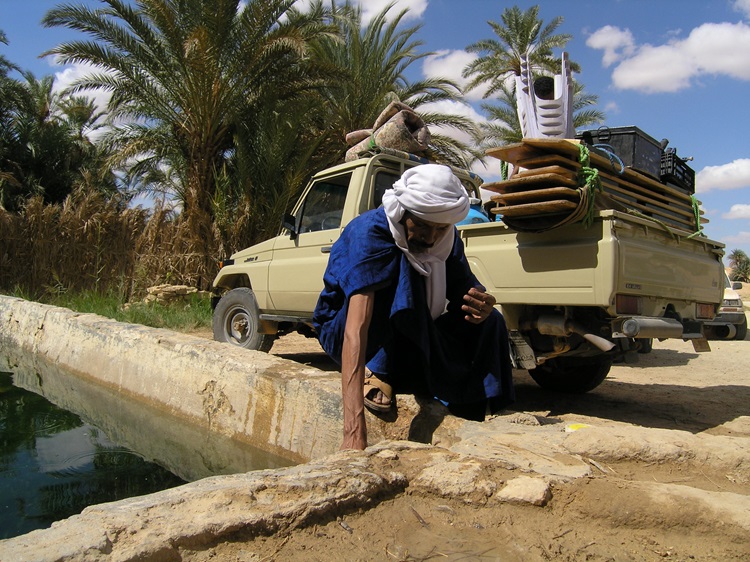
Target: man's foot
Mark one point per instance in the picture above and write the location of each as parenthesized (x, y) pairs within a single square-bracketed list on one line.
[(377, 393)]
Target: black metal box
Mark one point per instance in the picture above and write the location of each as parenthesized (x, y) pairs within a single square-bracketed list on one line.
[(675, 171), (635, 148)]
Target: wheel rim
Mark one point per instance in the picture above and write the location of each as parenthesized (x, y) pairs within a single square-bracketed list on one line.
[(238, 326)]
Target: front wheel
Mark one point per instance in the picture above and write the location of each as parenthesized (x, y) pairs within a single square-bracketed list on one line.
[(572, 374), (236, 320)]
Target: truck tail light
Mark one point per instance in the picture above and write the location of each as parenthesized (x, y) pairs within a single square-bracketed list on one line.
[(628, 304), (705, 310)]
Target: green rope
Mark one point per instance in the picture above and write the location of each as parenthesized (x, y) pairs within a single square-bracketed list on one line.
[(652, 219), (697, 216), (503, 170), (589, 184)]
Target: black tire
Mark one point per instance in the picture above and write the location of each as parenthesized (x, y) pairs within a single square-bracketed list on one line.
[(741, 330), (572, 374), (236, 320)]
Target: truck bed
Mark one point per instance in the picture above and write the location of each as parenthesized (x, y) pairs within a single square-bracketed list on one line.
[(577, 266)]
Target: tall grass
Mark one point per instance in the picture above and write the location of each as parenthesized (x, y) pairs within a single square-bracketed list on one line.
[(193, 313), (89, 244), (93, 254)]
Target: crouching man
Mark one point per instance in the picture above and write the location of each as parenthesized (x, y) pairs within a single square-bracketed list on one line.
[(401, 311)]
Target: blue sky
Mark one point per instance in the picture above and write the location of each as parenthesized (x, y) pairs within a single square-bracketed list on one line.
[(677, 69)]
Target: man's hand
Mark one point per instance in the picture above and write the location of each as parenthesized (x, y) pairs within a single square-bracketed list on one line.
[(355, 435), (353, 369), (478, 305)]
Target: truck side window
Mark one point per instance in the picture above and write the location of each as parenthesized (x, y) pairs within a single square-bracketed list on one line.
[(383, 181), (324, 204)]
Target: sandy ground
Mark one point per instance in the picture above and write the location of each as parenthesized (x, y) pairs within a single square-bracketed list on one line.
[(659, 500)]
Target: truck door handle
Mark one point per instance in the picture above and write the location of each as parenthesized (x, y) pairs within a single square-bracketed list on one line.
[(325, 249)]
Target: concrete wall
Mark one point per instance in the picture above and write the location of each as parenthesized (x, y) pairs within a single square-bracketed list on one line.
[(272, 403)]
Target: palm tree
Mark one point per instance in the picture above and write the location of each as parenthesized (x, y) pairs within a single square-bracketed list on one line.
[(740, 264), (370, 63), (10, 94), (276, 153), (502, 126), (46, 150), (522, 33), (183, 76), (584, 113)]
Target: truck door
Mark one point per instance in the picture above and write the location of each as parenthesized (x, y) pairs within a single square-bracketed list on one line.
[(296, 271)]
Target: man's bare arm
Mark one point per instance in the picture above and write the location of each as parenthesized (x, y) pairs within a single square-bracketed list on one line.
[(353, 369)]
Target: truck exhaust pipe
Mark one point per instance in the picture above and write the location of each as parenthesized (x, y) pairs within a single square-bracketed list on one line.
[(658, 328), (550, 325)]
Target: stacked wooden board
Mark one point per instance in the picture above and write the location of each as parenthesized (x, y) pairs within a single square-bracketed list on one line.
[(547, 187)]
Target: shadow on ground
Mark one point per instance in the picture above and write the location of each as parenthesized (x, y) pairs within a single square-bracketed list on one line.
[(648, 404)]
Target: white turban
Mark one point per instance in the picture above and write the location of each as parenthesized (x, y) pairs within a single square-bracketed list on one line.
[(433, 193), (430, 192)]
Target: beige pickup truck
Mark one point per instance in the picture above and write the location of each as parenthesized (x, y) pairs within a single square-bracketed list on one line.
[(575, 298)]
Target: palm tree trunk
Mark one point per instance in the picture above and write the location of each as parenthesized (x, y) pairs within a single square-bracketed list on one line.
[(202, 247)]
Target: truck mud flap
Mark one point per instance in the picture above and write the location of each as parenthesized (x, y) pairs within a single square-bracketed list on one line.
[(521, 353)]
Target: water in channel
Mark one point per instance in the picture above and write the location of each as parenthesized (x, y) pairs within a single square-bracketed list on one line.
[(66, 443)]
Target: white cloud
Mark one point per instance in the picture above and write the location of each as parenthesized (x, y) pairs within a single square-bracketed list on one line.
[(68, 75), (735, 175), (743, 6), (450, 64), (612, 108), (452, 108), (739, 211), (720, 48), (616, 43), (710, 49), (739, 239), (654, 69), (371, 8)]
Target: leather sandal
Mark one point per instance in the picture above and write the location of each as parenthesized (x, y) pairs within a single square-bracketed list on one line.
[(372, 385)]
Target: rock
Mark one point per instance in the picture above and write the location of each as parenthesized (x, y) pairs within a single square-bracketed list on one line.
[(166, 293), (453, 478), (655, 445), (525, 489)]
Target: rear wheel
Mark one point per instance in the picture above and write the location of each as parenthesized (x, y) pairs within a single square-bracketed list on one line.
[(572, 374), (741, 330), (236, 320)]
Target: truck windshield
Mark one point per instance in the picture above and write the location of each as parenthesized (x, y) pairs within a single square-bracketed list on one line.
[(324, 204)]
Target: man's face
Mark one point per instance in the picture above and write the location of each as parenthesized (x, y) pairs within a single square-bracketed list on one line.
[(421, 235)]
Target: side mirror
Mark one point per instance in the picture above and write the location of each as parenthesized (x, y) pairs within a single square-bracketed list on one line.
[(290, 223), (736, 285)]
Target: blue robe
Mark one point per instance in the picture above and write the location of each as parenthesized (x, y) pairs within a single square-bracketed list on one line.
[(448, 358)]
